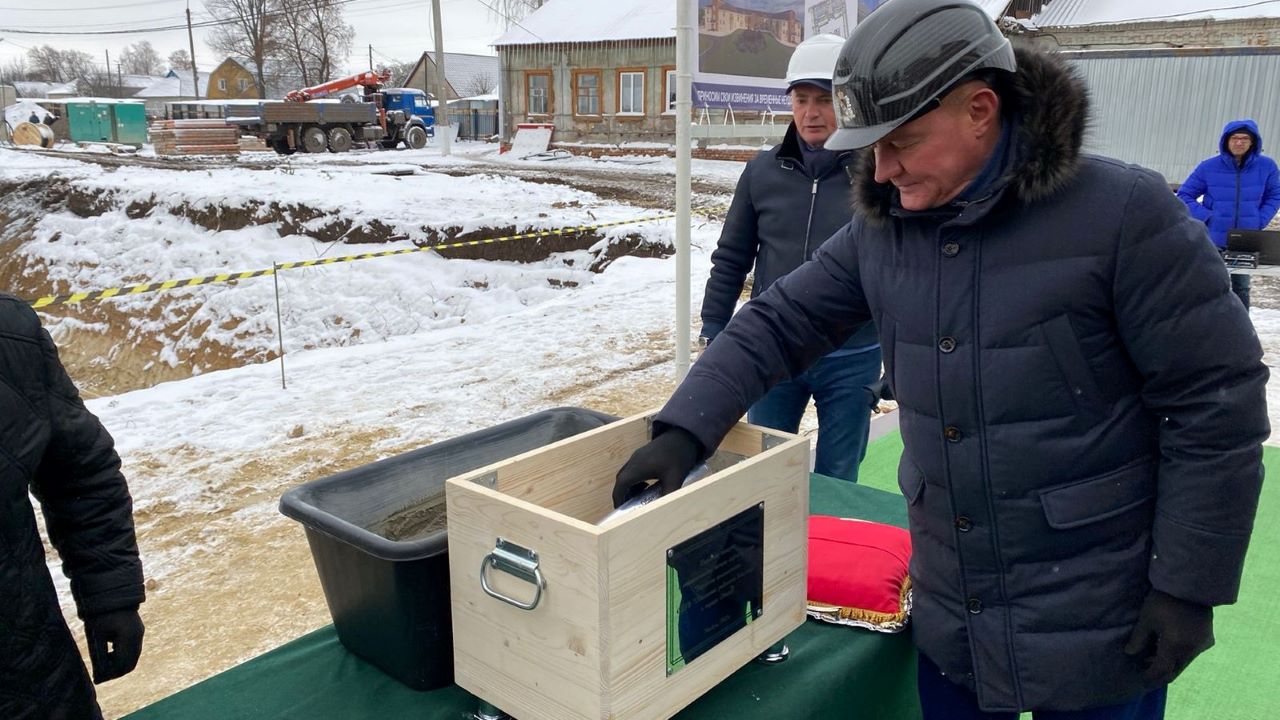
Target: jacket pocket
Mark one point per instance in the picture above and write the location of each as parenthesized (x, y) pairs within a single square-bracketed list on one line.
[(910, 480), (1074, 366), (1098, 498)]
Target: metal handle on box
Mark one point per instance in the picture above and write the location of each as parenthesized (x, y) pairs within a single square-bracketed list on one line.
[(519, 562)]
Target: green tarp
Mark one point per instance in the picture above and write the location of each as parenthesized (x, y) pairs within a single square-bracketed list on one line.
[(833, 671)]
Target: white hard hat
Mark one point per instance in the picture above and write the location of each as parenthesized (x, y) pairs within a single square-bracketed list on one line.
[(814, 60)]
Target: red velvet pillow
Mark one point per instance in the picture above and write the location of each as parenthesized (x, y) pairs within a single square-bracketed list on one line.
[(858, 573)]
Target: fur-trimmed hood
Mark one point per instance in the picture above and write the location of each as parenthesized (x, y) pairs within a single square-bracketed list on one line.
[(1049, 106)]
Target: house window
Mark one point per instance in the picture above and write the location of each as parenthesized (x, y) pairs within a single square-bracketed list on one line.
[(244, 84), (631, 92), (586, 92), (538, 93), (670, 92), (222, 84)]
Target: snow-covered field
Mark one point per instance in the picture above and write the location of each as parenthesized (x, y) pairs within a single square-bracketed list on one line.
[(381, 356)]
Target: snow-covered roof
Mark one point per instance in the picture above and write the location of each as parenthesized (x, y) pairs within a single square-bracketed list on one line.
[(138, 82), (188, 88), (994, 8), (34, 89), (166, 87), (1075, 13), (465, 72), (562, 21)]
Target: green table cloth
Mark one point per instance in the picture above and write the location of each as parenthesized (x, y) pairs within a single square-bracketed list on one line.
[(832, 672)]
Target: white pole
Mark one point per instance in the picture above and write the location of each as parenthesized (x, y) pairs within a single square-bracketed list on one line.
[(442, 93), (684, 92)]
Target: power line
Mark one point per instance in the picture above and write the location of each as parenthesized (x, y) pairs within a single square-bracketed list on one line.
[(169, 28), (510, 19), (87, 9)]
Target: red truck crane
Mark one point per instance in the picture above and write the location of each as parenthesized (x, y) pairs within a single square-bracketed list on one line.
[(371, 81), (387, 116)]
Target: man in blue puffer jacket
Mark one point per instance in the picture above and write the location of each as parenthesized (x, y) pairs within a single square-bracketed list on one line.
[(1239, 188), (788, 201)]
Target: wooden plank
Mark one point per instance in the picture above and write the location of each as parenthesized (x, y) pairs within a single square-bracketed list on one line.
[(635, 572), (543, 663)]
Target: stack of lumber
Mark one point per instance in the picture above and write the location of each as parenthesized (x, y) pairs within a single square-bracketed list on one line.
[(248, 143), (194, 137)]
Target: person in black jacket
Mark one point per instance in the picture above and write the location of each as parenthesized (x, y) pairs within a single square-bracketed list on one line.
[(52, 447), (788, 201), (1082, 398)]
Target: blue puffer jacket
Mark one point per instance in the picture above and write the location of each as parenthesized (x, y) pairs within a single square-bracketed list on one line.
[(782, 211), (1066, 449), (1227, 196)]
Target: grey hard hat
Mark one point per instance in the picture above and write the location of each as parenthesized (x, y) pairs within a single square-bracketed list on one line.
[(902, 58)]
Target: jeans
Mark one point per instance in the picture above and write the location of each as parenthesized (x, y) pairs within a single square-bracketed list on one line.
[(1240, 286), (844, 419), (942, 699)]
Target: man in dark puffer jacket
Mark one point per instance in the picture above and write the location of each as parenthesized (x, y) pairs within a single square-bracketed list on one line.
[(53, 447), (788, 200), (1082, 398)]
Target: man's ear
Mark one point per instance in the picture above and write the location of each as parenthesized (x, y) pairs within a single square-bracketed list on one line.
[(983, 109)]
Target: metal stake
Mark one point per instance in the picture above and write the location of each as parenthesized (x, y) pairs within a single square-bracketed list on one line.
[(275, 277)]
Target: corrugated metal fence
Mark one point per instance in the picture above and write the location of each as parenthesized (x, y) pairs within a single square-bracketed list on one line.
[(1165, 109)]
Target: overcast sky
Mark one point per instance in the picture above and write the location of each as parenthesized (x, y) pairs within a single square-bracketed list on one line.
[(399, 30)]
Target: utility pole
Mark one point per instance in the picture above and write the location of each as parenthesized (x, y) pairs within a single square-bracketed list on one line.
[(195, 76), (370, 57), (107, 53), (442, 95), (119, 80)]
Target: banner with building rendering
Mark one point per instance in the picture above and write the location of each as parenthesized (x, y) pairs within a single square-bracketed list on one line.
[(743, 47)]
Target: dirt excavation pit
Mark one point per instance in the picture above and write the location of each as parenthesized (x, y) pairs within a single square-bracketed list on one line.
[(109, 350)]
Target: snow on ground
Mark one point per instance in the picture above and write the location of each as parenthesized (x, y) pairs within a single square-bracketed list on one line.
[(322, 306), (445, 346)]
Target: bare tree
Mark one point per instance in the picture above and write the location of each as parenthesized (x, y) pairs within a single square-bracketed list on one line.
[(140, 59), (480, 84), (179, 60), (13, 71), (510, 11), (313, 40), (247, 32), (50, 64)]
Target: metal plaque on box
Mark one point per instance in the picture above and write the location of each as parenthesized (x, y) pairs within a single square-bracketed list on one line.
[(715, 586)]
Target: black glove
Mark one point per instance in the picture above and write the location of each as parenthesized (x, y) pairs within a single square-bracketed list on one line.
[(667, 458), (877, 391), (1170, 634), (115, 642)]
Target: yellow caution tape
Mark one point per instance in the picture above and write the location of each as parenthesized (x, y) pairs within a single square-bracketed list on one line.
[(74, 298)]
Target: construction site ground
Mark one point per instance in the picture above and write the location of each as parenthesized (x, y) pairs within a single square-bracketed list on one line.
[(234, 578)]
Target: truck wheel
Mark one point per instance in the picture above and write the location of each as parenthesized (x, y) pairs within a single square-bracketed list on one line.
[(314, 140), (281, 146), (415, 137), (339, 140)]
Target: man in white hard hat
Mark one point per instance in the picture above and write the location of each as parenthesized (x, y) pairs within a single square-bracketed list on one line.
[(788, 201)]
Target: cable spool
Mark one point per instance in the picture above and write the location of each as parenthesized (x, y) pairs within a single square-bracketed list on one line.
[(29, 133)]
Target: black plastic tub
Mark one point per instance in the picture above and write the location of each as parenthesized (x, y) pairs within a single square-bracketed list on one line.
[(378, 539)]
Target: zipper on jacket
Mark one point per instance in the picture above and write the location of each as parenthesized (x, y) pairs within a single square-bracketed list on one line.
[(808, 228), (1236, 222)]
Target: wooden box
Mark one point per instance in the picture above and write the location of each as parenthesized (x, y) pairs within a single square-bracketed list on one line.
[(594, 644)]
